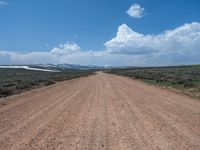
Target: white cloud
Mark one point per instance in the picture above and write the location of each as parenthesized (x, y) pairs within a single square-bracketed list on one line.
[(3, 3), (65, 49), (135, 11), (7, 57), (182, 40), (128, 42), (172, 47)]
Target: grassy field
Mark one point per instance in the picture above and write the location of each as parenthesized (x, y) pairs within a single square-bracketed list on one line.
[(185, 79), (15, 81)]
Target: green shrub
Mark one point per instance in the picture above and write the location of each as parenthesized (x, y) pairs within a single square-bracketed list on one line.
[(188, 83), (49, 82), (5, 91)]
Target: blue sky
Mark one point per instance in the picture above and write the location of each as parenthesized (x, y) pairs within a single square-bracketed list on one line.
[(66, 31)]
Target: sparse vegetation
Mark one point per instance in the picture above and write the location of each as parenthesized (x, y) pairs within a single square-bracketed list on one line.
[(15, 81), (184, 78)]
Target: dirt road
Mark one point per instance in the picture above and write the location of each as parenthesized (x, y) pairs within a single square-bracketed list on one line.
[(101, 111)]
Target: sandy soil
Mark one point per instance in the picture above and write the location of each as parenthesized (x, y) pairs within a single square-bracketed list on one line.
[(101, 111)]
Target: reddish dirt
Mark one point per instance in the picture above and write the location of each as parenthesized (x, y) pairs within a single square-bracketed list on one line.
[(101, 111)]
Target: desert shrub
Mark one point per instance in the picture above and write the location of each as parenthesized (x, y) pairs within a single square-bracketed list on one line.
[(188, 83), (23, 86), (5, 91), (50, 82), (14, 81), (9, 84)]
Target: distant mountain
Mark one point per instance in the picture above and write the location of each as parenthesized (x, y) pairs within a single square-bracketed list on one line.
[(65, 66)]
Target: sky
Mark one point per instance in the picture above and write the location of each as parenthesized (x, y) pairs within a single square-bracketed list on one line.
[(100, 32)]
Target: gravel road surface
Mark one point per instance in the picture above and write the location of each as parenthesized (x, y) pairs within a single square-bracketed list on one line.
[(101, 111)]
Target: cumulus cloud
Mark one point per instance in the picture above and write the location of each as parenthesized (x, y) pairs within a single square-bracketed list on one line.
[(3, 3), (65, 49), (135, 11), (64, 53), (128, 42), (181, 40), (128, 48)]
